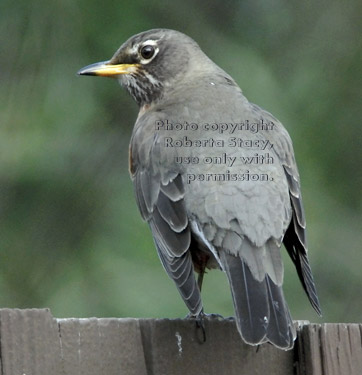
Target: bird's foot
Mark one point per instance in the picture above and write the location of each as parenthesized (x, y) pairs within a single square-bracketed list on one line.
[(211, 316), (214, 317), (200, 328), (200, 322), (200, 325)]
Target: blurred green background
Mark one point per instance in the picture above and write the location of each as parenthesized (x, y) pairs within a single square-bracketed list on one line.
[(71, 237)]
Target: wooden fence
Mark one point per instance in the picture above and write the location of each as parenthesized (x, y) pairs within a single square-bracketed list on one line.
[(33, 342)]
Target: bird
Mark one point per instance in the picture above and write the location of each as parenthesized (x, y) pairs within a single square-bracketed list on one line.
[(215, 178)]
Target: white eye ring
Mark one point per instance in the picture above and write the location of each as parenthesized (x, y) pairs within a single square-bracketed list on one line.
[(148, 43)]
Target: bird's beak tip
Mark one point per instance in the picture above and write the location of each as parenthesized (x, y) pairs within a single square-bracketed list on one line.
[(106, 69), (82, 72), (93, 69)]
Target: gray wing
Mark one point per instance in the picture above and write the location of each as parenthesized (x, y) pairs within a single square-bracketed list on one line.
[(161, 204), (295, 237)]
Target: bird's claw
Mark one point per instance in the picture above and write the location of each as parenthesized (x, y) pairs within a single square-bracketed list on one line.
[(214, 317), (200, 322), (200, 325)]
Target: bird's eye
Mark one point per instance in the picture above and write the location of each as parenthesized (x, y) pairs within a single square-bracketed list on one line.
[(147, 52)]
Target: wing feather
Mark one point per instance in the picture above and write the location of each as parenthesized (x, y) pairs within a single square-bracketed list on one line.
[(160, 199)]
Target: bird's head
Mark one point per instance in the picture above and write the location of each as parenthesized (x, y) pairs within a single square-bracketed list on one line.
[(149, 62)]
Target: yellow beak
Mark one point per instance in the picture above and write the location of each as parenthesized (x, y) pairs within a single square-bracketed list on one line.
[(106, 69)]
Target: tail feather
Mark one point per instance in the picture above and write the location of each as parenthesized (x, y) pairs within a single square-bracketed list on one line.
[(281, 331), (261, 312), (250, 300)]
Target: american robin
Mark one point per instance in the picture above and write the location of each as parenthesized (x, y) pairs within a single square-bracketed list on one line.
[(216, 179)]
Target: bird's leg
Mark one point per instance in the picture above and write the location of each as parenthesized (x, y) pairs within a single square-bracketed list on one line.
[(200, 260), (200, 278)]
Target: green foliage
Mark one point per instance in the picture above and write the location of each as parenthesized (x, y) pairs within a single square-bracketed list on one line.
[(70, 235)]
